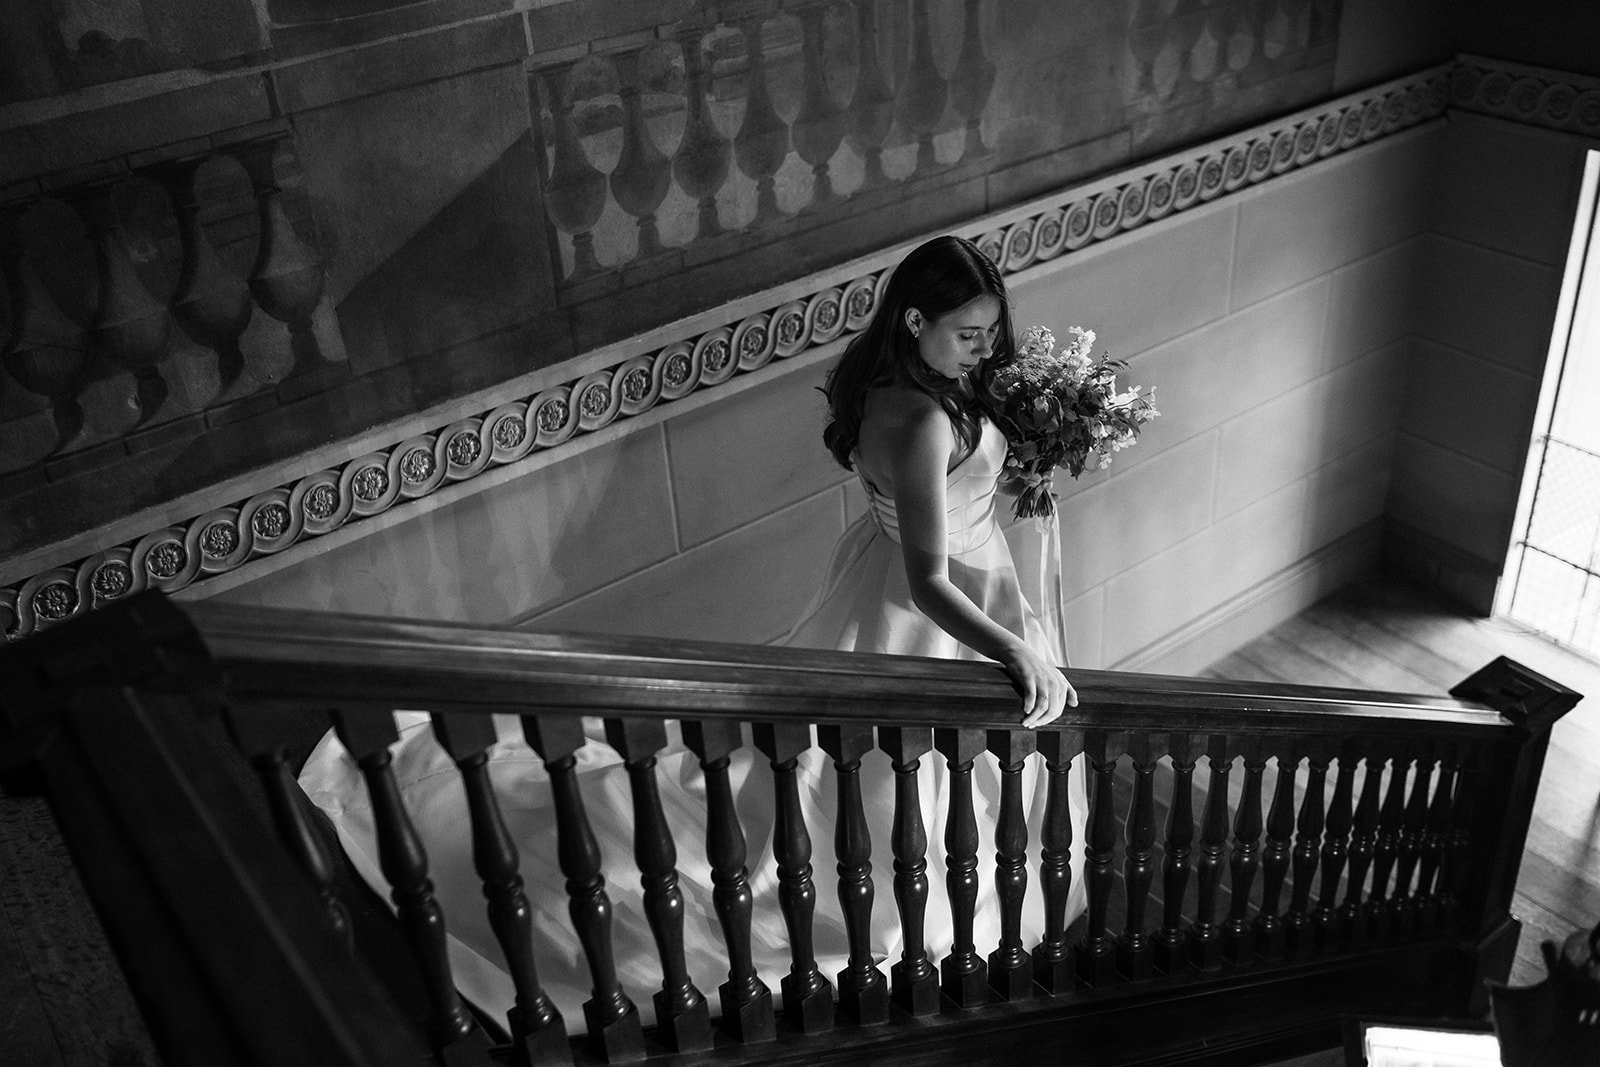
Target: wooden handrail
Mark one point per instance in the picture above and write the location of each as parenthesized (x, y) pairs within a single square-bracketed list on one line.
[(290, 655)]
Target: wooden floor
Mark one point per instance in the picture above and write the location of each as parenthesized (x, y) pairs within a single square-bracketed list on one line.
[(1380, 636), (62, 1000)]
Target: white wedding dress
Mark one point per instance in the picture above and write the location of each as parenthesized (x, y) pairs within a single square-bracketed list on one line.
[(864, 605)]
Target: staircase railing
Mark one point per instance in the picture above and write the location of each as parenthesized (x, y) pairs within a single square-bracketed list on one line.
[(1223, 925)]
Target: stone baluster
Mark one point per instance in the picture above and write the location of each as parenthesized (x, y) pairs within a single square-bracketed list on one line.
[(871, 112), (287, 276), (45, 351), (704, 155), (1097, 951), (574, 190), (746, 1001), (914, 981), (1243, 861), (807, 995), (1185, 25), (615, 1033), (1010, 965), (964, 977), (1307, 838), (972, 81), (1171, 938), (1052, 959), (1335, 851), (212, 305), (923, 93), (643, 176), (1205, 941), (762, 143), (130, 328), (863, 993), (819, 126)]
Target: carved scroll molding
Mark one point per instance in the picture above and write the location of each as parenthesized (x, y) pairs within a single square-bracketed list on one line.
[(472, 444)]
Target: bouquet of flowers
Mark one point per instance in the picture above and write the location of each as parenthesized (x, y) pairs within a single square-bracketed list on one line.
[(1060, 408)]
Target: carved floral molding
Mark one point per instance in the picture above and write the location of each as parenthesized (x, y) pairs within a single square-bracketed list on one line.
[(229, 537)]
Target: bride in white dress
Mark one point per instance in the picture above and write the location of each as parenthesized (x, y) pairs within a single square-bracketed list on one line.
[(926, 572)]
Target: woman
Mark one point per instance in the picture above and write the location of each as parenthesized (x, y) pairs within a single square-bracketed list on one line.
[(927, 571)]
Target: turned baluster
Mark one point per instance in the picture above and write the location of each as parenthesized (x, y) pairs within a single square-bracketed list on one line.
[(863, 993), (1430, 883), (1147, 33), (1135, 949), (212, 305), (1379, 913), (871, 113), (130, 328), (256, 731), (1362, 831), (1171, 939), (964, 976), (972, 81), (1052, 959), (643, 176), (1308, 834), (1406, 904), (1455, 872), (683, 1019), (574, 189), (746, 1001), (1206, 936), (1010, 966), (807, 995), (287, 278), (1096, 951), (704, 155), (367, 734), (923, 92), (762, 144), (914, 980), (1269, 922), (537, 1027), (46, 352), (1237, 943), (1335, 850), (819, 125), (615, 1032)]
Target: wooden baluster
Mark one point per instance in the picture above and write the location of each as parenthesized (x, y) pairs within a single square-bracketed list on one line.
[(1362, 832), (1205, 938), (1135, 950), (1269, 924), (1172, 939), (1378, 913), (819, 126), (1335, 850), (537, 1028), (915, 982), (1406, 904), (1052, 959), (762, 144), (367, 734), (615, 1032), (1430, 884), (745, 999), (255, 730), (1308, 834), (683, 1019), (1455, 872), (871, 114), (863, 993), (964, 976), (1237, 943), (1010, 966), (807, 995), (1096, 952)]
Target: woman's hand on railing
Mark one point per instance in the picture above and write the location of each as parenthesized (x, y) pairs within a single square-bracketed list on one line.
[(1045, 690)]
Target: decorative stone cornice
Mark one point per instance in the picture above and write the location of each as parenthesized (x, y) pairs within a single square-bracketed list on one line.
[(531, 427)]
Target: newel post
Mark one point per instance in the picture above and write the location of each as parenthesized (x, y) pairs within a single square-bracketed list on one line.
[(1505, 791)]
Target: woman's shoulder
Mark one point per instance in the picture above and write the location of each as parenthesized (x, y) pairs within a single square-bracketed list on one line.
[(902, 420)]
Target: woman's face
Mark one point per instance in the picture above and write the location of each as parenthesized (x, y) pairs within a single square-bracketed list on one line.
[(954, 343)]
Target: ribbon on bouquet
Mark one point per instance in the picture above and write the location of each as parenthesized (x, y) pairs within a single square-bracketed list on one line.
[(1053, 590)]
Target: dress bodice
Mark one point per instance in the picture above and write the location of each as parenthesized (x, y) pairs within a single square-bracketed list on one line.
[(969, 495)]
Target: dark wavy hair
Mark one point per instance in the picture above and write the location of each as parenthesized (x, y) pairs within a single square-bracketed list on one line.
[(936, 278)]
